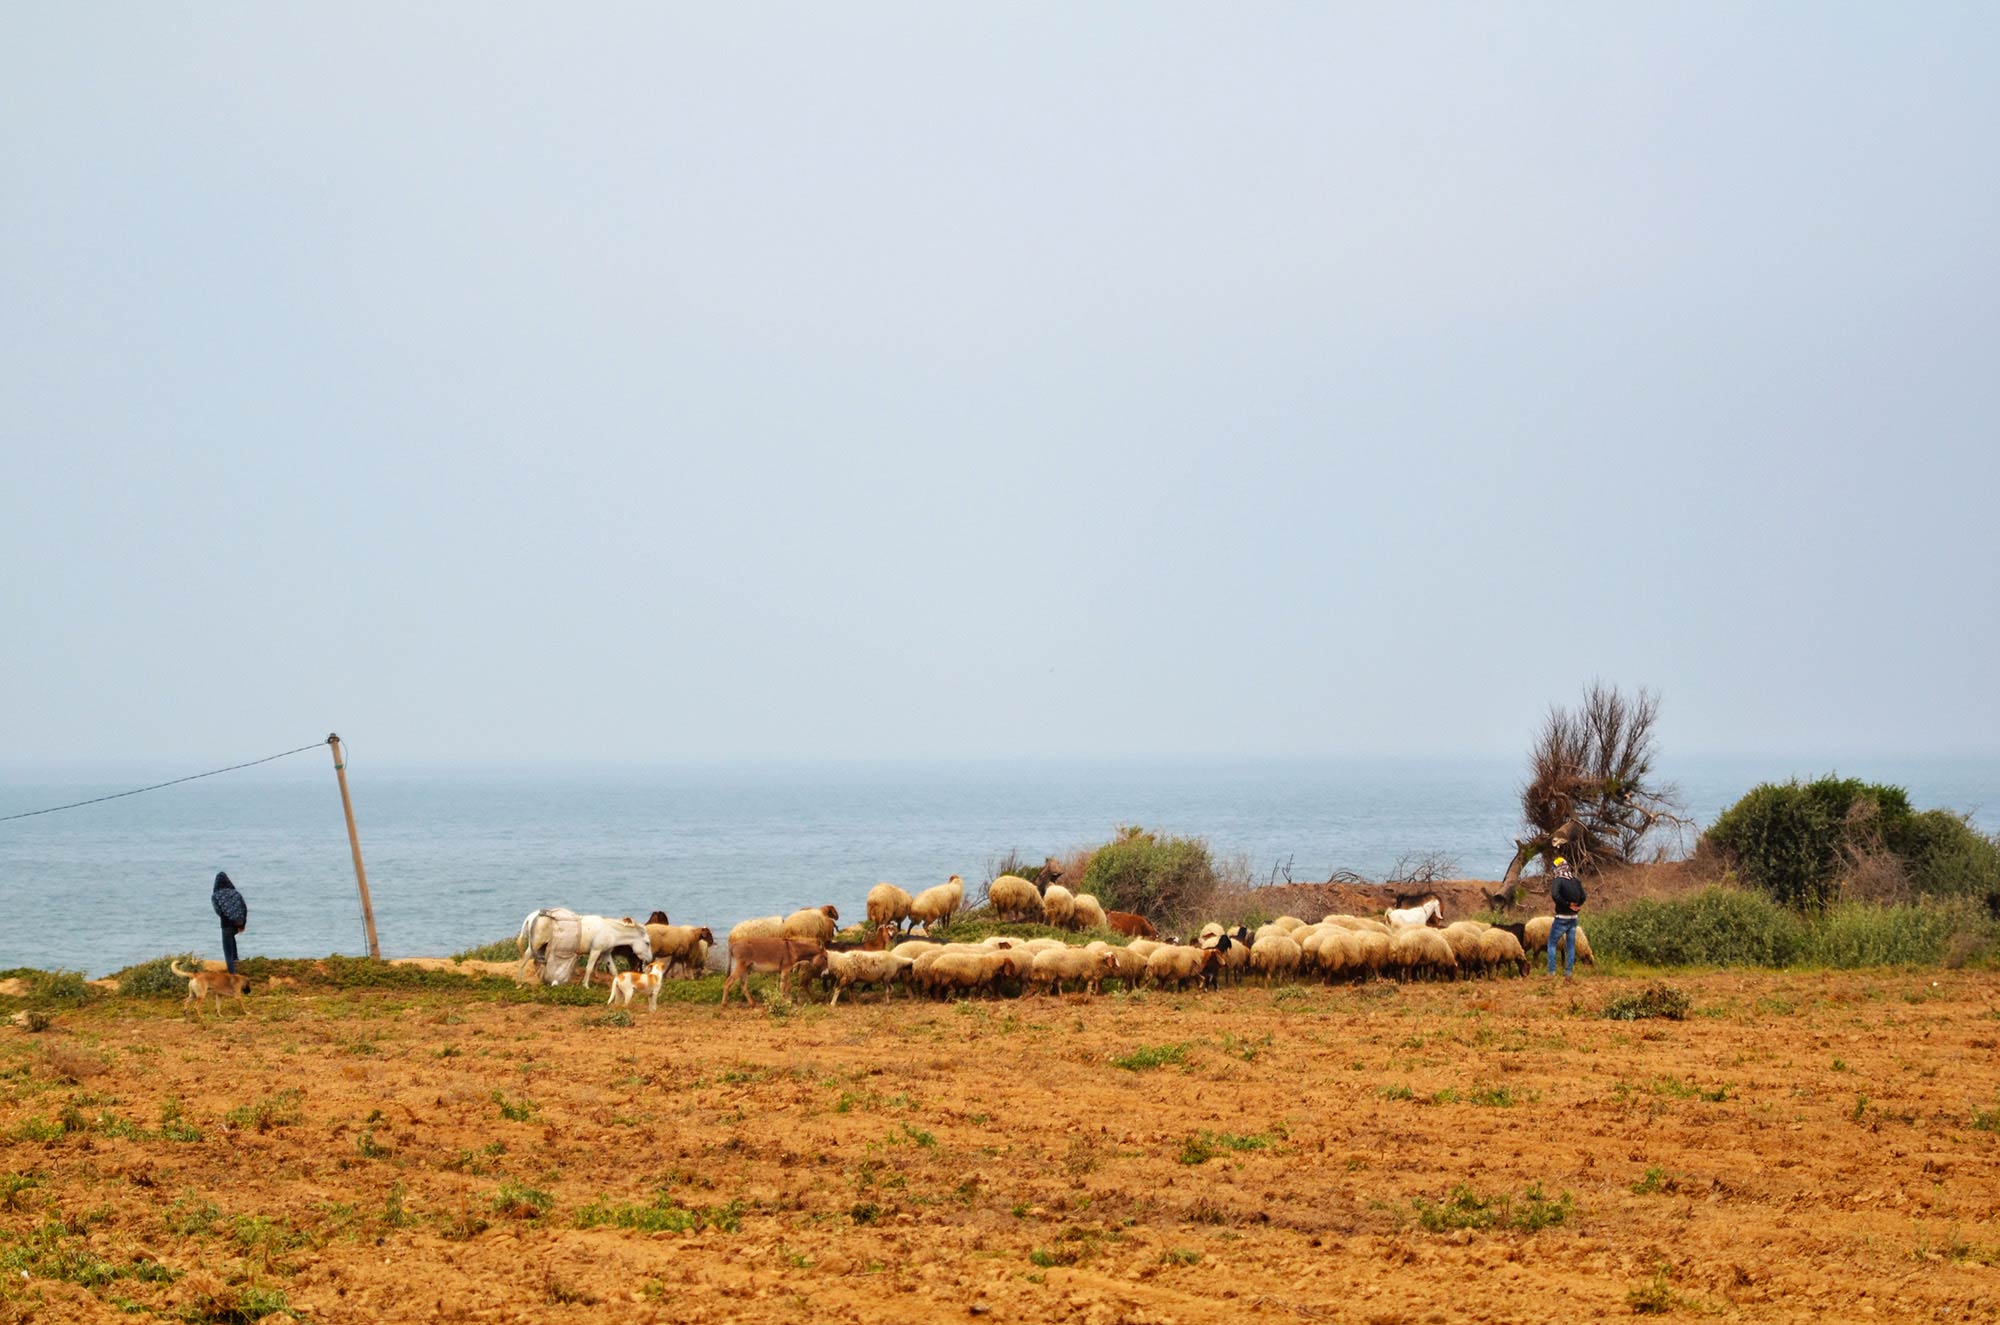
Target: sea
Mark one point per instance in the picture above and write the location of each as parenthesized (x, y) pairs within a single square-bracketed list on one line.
[(457, 857)]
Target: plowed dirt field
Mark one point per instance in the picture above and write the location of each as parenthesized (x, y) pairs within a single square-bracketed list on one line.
[(1802, 1147)]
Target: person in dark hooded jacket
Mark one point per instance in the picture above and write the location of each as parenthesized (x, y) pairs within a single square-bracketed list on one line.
[(235, 914)]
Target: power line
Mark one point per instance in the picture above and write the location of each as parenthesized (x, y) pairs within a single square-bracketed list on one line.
[(96, 800)]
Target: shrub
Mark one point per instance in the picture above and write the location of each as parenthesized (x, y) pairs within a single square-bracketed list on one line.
[(1851, 935), (1798, 842), (1714, 927), (1657, 999), (155, 979), (500, 950), (1167, 879)]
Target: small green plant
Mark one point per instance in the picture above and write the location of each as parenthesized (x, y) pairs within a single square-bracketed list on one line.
[(515, 1111), (1464, 1208), (1986, 1120), (867, 1212), (1497, 1097), (1396, 1092), (500, 950), (1180, 1256), (517, 1201), (1147, 1057), (1653, 1298), (279, 1110), (1658, 999), (1654, 1181)]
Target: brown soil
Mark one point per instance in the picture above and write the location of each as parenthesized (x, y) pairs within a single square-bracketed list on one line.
[(1804, 1147)]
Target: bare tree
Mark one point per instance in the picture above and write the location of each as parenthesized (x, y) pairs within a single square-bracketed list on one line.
[(1423, 868), (1590, 793)]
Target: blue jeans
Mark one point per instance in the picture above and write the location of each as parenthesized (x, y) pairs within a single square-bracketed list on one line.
[(229, 947), (1561, 932)]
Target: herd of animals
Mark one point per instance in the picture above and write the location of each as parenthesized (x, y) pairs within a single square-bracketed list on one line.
[(1412, 942)]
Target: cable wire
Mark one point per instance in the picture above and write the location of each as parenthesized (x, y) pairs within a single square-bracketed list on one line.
[(96, 800)]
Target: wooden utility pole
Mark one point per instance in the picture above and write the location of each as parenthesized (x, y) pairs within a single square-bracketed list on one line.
[(354, 841)]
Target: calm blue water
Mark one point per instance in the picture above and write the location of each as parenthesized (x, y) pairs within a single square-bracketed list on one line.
[(457, 858)]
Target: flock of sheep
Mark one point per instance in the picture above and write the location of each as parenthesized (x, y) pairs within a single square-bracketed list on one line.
[(1337, 948)]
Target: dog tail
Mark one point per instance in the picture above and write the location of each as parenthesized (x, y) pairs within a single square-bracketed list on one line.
[(175, 967)]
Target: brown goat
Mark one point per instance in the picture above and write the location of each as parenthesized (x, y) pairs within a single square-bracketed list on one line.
[(767, 955), (1130, 925)]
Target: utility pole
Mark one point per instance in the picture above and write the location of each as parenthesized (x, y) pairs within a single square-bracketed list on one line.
[(354, 841)]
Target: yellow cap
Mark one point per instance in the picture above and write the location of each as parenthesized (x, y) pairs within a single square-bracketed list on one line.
[(1561, 861)]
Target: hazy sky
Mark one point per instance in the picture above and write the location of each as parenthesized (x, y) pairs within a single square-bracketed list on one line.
[(539, 381)]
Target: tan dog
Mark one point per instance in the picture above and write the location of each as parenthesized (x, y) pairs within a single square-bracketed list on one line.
[(204, 985), (627, 983)]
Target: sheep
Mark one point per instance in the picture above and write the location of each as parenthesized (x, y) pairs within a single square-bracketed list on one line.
[(1182, 964), (914, 948), (1536, 939), (888, 905), (816, 923), (1289, 923), (1339, 952), (1275, 955), (1013, 898), (1420, 950), (935, 904), (1081, 965), (1463, 936), (681, 945), (864, 968), (1059, 906), (1210, 932), (1144, 947), (1131, 966), (763, 927), (1499, 948), (1130, 924), (1089, 912), (969, 971), (1371, 951)]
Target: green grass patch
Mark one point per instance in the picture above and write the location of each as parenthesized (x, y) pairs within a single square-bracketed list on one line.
[(663, 1214), (1205, 1145), (1658, 999), (1147, 1057), (1462, 1207), (500, 950), (516, 1200)]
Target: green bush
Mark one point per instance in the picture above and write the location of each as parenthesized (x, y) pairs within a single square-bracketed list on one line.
[(500, 950), (1714, 927), (1167, 879), (1794, 841), (53, 989), (1948, 857), (1852, 935), (155, 979)]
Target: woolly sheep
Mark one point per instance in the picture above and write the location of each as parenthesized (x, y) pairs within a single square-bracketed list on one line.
[(680, 945), (969, 971), (1463, 936), (1130, 966), (1275, 955), (1536, 939), (1339, 952), (1418, 950), (1013, 898), (1081, 966), (1182, 964), (864, 968), (934, 904), (1144, 947), (1089, 912), (1372, 951), (817, 923), (888, 905), (1499, 948), (1213, 930), (1289, 923), (1059, 906), (763, 927)]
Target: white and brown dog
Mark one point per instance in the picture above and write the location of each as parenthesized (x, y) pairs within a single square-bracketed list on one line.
[(627, 983), (204, 985)]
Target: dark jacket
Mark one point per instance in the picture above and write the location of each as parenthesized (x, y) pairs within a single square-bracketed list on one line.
[(229, 903), (1567, 892)]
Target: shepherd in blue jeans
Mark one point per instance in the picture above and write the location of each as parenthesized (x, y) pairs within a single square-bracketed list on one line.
[(1567, 893)]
